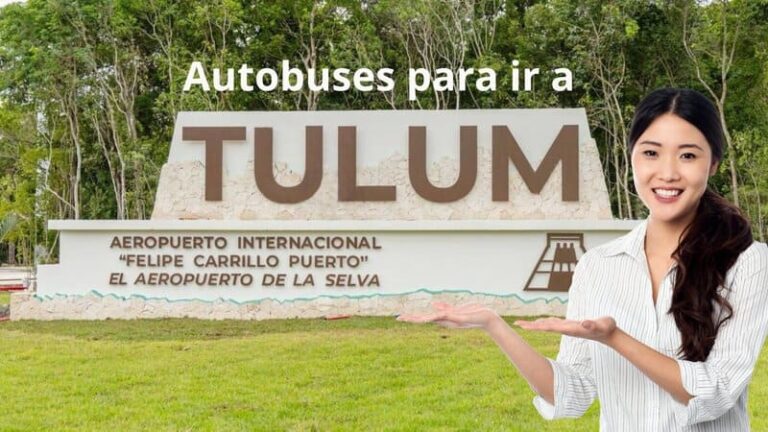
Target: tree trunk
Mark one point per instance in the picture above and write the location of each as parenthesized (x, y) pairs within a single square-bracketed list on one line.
[(11, 253)]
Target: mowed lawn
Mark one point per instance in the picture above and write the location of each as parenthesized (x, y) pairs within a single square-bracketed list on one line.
[(357, 374)]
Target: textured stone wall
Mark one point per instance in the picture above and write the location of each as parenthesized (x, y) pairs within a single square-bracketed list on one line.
[(180, 194), (97, 307)]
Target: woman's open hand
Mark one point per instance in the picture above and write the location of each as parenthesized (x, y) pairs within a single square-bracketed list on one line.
[(599, 329), (463, 316)]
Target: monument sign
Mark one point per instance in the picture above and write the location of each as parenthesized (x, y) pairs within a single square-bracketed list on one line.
[(308, 214)]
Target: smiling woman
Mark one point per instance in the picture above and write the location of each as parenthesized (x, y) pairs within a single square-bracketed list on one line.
[(665, 324), (672, 162)]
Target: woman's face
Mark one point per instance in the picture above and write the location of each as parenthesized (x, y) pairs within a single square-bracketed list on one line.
[(672, 162)]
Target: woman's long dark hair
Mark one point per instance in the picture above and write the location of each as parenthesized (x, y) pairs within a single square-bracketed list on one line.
[(710, 245)]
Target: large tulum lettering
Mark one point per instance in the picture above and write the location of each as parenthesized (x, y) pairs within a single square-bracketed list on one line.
[(417, 165), (313, 173), (564, 151), (214, 138)]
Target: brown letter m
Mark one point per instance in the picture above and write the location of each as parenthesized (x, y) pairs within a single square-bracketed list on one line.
[(565, 150)]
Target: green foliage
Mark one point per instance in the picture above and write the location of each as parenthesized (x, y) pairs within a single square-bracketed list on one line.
[(356, 374)]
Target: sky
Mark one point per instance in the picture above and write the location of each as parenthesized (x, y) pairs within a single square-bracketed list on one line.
[(7, 2)]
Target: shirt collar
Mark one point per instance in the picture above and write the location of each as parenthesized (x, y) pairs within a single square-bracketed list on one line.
[(632, 244)]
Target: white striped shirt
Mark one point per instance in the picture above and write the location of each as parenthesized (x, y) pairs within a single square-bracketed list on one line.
[(613, 280)]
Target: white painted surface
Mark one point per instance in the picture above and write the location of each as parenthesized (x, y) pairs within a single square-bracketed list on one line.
[(15, 276), (484, 259)]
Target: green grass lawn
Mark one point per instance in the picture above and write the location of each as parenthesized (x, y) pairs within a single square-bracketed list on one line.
[(357, 374)]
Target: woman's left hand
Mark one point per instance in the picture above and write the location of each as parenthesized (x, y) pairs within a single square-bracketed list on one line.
[(599, 329), (447, 315)]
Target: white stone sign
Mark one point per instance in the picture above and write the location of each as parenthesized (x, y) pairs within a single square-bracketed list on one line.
[(272, 215)]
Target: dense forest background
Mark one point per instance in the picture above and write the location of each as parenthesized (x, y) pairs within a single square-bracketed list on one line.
[(89, 89)]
